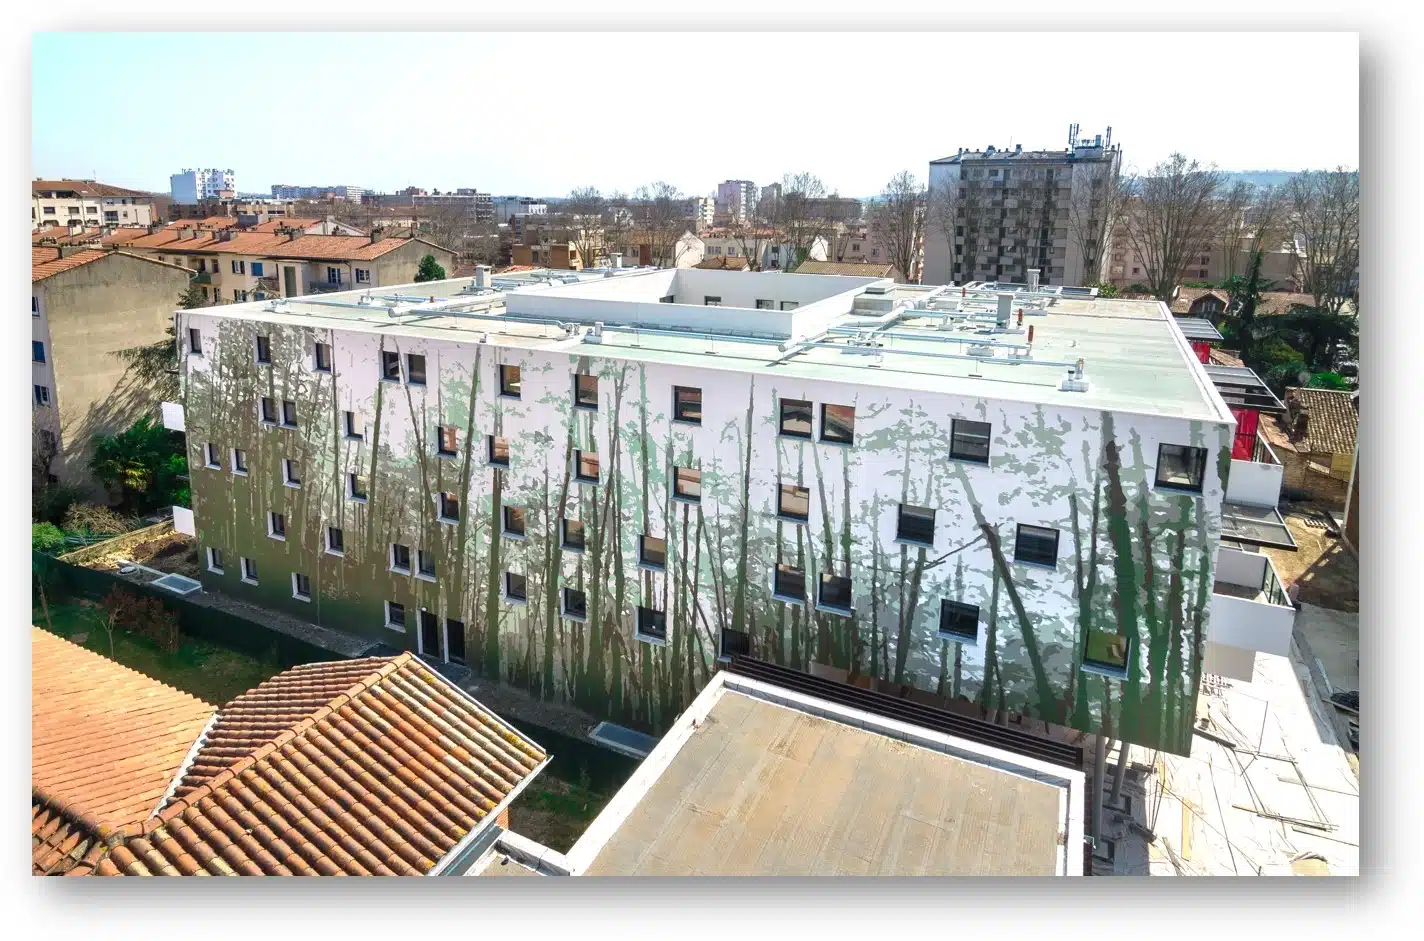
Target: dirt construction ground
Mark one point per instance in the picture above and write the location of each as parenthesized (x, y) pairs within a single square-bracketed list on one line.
[(1325, 568)]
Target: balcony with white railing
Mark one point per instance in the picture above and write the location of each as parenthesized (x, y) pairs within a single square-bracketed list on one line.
[(1250, 613), (1256, 482)]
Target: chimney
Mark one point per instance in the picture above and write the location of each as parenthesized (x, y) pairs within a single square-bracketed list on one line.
[(1302, 424), (1006, 309), (482, 276), (615, 260), (1033, 279)]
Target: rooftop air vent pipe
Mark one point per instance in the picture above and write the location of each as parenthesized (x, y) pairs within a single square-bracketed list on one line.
[(1033, 279), (482, 276), (615, 260), (1006, 309)]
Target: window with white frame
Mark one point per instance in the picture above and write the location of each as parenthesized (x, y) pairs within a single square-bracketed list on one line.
[(400, 558), (290, 475), (249, 570), (301, 587), (277, 525), (214, 456), (215, 560), (335, 541)]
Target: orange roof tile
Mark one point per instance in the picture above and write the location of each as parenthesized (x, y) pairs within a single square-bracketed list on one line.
[(41, 270), (364, 767), (271, 225), (106, 743), (60, 235), (85, 188), (39, 254)]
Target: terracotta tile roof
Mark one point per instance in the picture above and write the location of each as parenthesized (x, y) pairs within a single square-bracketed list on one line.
[(511, 269), (123, 235), (363, 767), (731, 263), (60, 235), (271, 225), (1225, 358), (1186, 297), (845, 267), (1272, 302), (207, 222), (271, 245), (106, 743), (39, 254), (50, 268), (85, 188), (1331, 420)]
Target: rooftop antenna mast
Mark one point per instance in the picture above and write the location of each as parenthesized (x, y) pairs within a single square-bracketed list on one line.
[(1072, 136)]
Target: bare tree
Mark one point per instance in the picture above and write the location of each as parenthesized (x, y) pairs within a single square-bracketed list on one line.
[(1324, 206), (1168, 216), (897, 221), (1090, 217), (804, 213), (585, 206), (659, 213)]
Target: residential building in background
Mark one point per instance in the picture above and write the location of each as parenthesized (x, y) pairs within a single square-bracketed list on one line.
[(473, 201), (348, 193), (995, 214), (504, 208), (594, 485), (1315, 441), (770, 195), (260, 210), (1280, 264), (702, 212), (737, 199), (639, 248), (88, 203), (86, 304), (235, 265), (192, 186), (769, 249)]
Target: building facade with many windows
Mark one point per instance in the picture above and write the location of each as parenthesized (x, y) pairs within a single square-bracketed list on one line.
[(594, 487), (87, 203)]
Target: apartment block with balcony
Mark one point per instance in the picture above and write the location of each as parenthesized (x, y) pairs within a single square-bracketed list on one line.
[(194, 186), (1006, 212), (87, 203), (594, 487), (85, 305)]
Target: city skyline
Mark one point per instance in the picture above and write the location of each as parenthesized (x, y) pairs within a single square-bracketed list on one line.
[(536, 123)]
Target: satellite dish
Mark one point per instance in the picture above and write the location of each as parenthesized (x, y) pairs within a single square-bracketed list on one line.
[(1303, 377)]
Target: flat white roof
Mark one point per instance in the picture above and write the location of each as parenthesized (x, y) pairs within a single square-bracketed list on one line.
[(854, 330)]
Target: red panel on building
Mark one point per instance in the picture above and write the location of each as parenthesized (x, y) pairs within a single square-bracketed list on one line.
[(1244, 446), (1203, 350)]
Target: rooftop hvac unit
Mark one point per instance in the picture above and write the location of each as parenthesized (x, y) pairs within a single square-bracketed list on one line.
[(980, 349)]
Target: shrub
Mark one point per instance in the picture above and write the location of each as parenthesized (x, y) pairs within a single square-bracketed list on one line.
[(145, 616), (52, 501), (46, 538)]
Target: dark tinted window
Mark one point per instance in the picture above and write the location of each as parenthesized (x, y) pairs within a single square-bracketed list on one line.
[(969, 441), (269, 410), (575, 604), (687, 405), (509, 381), (736, 643), (835, 592), (586, 391), (915, 524), (573, 534), (335, 539), (390, 366), (652, 623), (449, 506), (264, 350), (515, 587), (323, 357), (960, 620), (1180, 467), (514, 520), (415, 369), (289, 414), (448, 440), (838, 424), (790, 582), (499, 451), (652, 551), (1036, 545), (795, 418)]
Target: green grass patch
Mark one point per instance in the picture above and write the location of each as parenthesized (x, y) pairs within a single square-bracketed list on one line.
[(214, 674)]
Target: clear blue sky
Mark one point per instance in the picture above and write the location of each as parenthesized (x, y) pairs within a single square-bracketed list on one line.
[(541, 113)]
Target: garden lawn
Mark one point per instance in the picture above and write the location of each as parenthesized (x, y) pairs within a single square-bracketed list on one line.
[(213, 674)]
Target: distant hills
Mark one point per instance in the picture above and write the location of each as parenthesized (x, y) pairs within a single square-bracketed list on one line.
[(1258, 177)]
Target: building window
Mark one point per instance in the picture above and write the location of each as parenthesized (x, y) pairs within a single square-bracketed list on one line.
[(238, 267), (353, 430), (838, 424), (333, 275), (249, 570), (575, 605), (1107, 654), (214, 460), (735, 643), (301, 585), (969, 441), (395, 616), (356, 487), (363, 275), (509, 381), (289, 413), (1036, 545), (321, 357), (41, 395), (415, 369), (390, 366), (793, 503), (449, 508), (269, 410), (795, 418), (687, 484), (710, 300), (586, 392), (652, 552), (447, 440), (573, 535), (335, 541), (290, 477), (257, 269), (425, 564), (514, 521), (790, 305), (34, 305), (195, 342), (687, 405), (215, 561), (834, 593), (400, 558), (669, 299), (1180, 467), (789, 583), (498, 451), (959, 621), (276, 525), (516, 588), (37, 351), (239, 461), (586, 467), (762, 304), (652, 625), (915, 524)]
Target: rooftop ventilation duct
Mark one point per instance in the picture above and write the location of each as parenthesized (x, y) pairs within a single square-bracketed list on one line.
[(1006, 309), (1033, 279), (482, 276)]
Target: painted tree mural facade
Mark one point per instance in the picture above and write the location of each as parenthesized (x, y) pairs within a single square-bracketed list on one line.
[(1133, 559)]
